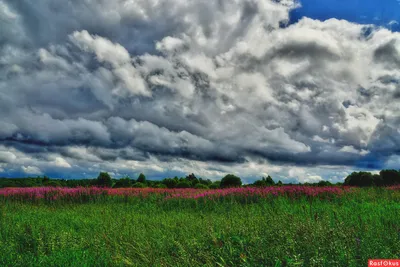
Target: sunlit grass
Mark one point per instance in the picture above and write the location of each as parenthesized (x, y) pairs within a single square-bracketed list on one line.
[(223, 231)]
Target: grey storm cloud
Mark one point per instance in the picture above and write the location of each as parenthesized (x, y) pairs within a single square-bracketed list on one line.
[(170, 86)]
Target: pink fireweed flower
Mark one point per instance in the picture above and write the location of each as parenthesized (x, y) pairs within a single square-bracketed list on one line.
[(79, 193)]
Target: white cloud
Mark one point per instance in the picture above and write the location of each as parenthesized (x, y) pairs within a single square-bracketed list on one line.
[(60, 162), (31, 170), (351, 149), (105, 50), (312, 179), (118, 57), (6, 156), (184, 85)]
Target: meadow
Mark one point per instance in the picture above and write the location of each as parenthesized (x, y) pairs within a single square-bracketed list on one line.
[(269, 226)]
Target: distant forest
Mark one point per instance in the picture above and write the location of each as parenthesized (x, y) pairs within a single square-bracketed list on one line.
[(362, 179)]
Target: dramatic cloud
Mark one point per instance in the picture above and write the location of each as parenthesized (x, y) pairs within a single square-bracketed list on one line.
[(171, 87), (31, 170)]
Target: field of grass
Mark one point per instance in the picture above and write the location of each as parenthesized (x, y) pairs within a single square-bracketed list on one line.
[(170, 228)]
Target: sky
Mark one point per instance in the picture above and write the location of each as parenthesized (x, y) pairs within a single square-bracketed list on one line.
[(381, 13), (301, 91)]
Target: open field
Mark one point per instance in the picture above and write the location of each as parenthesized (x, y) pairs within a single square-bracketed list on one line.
[(273, 226)]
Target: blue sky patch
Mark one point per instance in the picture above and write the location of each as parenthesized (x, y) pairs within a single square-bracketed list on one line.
[(382, 13)]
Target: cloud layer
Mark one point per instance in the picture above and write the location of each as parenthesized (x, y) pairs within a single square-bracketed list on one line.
[(171, 87)]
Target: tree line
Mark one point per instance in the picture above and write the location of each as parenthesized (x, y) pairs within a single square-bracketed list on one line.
[(384, 178), (363, 179), (105, 180)]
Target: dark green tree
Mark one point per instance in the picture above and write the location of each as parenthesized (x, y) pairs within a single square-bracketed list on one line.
[(378, 181), (104, 179), (390, 177), (269, 181), (359, 179), (265, 181), (123, 182), (141, 179), (191, 177), (259, 183), (169, 182), (46, 179), (231, 180)]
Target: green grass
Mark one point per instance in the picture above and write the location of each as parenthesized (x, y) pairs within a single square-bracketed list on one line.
[(149, 232)]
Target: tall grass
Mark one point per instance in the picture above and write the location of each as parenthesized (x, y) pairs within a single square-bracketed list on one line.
[(236, 229)]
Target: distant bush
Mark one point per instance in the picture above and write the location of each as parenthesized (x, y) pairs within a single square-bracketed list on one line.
[(183, 184), (201, 186), (207, 182), (53, 183), (170, 183), (215, 185), (123, 182), (324, 183), (231, 180), (139, 185), (264, 182)]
